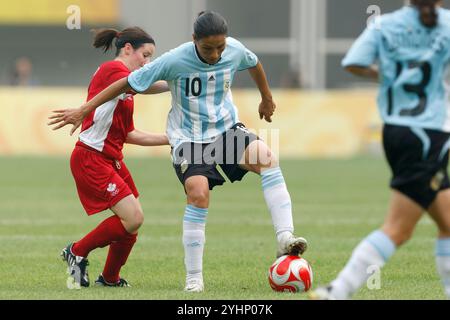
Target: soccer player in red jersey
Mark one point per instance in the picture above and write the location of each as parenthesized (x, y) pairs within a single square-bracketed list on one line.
[(102, 178)]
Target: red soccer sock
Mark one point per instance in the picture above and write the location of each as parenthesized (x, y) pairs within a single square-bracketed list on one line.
[(117, 257), (109, 230)]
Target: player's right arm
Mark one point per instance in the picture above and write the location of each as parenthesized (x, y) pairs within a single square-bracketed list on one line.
[(75, 117), (140, 81), (147, 139)]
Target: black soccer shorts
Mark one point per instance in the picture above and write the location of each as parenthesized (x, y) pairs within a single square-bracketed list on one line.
[(192, 159), (418, 159)]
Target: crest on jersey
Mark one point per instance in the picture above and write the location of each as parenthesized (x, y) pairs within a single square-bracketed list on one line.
[(226, 85)]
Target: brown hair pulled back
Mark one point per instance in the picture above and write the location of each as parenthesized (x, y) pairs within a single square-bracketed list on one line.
[(135, 36)]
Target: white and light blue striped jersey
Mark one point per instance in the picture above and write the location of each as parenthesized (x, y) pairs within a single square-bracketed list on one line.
[(202, 103), (414, 67)]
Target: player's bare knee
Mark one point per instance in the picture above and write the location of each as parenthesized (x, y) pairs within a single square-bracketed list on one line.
[(266, 158), (273, 161), (137, 219), (199, 198)]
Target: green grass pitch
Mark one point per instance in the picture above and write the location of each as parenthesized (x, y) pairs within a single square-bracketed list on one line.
[(336, 203)]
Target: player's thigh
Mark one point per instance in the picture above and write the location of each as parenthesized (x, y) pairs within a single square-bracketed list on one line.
[(258, 156), (98, 182), (188, 161), (439, 211), (403, 215)]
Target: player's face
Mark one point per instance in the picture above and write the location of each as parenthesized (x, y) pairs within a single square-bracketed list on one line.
[(211, 48), (141, 56)]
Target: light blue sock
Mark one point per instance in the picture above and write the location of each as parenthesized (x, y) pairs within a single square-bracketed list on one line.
[(194, 239), (278, 200), (443, 262), (384, 245), (374, 251)]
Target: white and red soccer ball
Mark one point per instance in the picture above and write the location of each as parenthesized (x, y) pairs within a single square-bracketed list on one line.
[(290, 274)]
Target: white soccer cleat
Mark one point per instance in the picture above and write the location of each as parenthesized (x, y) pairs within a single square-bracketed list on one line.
[(291, 245), (194, 285), (321, 293)]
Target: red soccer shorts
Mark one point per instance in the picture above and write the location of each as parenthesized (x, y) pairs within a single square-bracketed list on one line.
[(101, 182)]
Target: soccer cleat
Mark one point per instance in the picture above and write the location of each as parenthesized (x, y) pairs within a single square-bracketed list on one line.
[(321, 293), (194, 285), (76, 268), (102, 282), (291, 245)]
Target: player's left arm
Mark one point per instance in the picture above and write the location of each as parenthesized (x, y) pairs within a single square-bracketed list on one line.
[(147, 139), (370, 72), (267, 105), (360, 59)]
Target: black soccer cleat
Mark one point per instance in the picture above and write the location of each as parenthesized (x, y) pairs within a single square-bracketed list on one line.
[(102, 282), (76, 268)]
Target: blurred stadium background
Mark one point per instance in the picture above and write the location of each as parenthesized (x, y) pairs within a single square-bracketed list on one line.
[(300, 43), (322, 113)]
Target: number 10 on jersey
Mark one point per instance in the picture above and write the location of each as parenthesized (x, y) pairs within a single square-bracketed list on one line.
[(193, 87)]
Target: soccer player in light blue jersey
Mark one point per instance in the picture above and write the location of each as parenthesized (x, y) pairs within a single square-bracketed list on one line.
[(204, 131), (412, 46)]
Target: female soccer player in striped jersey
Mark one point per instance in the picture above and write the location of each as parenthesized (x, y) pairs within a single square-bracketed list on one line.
[(204, 130), (412, 46), (102, 179)]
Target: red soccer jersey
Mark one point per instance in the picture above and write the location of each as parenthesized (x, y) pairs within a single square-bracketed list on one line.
[(106, 128)]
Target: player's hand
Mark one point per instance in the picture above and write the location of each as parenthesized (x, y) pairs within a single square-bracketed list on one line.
[(266, 109), (64, 117)]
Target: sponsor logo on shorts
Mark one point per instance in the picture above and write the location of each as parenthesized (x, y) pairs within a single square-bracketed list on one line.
[(436, 181), (184, 166), (112, 188)]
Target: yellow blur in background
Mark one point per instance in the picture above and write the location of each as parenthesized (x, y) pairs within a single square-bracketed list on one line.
[(55, 12), (305, 124)]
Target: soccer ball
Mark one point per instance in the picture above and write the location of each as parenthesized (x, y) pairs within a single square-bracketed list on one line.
[(290, 274)]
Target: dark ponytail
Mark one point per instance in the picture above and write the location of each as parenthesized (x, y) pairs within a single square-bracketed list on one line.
[(135, 36), (209, 23), (428, 12)]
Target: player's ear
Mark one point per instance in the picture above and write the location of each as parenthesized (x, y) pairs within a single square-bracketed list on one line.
[(128, 48), (193, 37)]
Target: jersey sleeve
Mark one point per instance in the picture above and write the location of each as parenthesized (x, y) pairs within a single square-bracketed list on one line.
[(246, 58), (249, 60), (140, 80), (106, 75), (364, 50)]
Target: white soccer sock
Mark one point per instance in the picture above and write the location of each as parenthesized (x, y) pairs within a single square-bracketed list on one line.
[(373, 251), (278, 200), (194, 240), (443, 262)]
